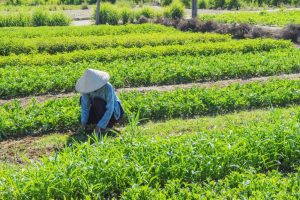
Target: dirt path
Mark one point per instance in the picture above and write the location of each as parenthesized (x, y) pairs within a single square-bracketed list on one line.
[(13, 150), (42, 98)]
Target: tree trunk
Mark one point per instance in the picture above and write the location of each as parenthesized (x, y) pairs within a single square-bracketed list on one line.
[(98, 13), (194, 8)]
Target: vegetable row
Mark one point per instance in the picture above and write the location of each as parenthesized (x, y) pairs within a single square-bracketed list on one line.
[(245, 160), (28, 80), (63, 114), (110, 54), (54, 45), (33, 32)]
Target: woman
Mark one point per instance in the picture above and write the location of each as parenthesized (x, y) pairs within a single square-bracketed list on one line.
[(99, 103)]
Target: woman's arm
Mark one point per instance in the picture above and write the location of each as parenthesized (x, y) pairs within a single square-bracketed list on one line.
[(85, 109)]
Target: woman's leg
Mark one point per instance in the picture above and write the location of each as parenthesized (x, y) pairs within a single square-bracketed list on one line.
[(113, 120), (98, 108)]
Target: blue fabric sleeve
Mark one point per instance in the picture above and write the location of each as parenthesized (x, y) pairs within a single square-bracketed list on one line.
[(109, 99), (85, 108)]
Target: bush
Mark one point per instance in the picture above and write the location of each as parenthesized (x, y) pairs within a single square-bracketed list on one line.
[(126, 15), (219, 4), (15, 20), (186, 3), (108, 14), (59, 19), (174, 11), (40, 18), (166, 2), (84, 6), (202, 4), (233, 4), (146, 12)]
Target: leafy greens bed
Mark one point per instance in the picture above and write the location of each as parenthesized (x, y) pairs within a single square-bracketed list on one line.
[(26, 80), (63, 114), (110, 54), (242, 161)]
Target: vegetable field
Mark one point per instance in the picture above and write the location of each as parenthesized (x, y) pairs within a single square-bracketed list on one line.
[(238, 140)]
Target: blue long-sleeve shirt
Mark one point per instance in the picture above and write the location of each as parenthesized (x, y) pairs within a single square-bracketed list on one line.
[(107, 93)]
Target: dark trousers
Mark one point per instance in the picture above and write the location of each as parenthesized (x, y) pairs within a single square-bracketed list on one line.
[(97, 110)]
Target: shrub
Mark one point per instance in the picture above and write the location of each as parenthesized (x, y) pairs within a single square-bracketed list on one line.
[(219, 4), (166, 2), (108, 14), (58, 19), (146, 12), (202, 4), (20, 19), (40, 18), (126, 15), (233, 4), (84, 6), (186, 3), (174, 11)]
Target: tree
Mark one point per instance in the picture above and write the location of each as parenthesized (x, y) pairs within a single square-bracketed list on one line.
[(194, 8), (98, 13)]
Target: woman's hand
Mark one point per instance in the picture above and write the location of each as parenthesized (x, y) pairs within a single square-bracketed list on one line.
[(82, 128), (99, 130)]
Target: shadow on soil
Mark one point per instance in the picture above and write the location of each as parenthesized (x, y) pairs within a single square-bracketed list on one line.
[(83, 136)]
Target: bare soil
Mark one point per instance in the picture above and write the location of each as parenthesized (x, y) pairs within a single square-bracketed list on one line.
[(26, 100), (14, 150)]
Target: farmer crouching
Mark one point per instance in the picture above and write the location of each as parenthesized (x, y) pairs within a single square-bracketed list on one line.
[(99, 104)]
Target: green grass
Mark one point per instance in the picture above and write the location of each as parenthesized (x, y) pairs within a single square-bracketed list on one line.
[(279, 18), (243, 159)]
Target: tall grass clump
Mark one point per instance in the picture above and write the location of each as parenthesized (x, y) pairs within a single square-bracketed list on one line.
[(127, 16), (174, 11), (37, 18), (19, 19), (109, 14), (40, 18), (58, 19), (146, 12)]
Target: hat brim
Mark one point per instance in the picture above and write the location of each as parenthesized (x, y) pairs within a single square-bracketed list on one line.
[(91, 80), (81, 87)]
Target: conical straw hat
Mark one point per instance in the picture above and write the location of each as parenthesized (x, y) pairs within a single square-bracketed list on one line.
[(91, 80)]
